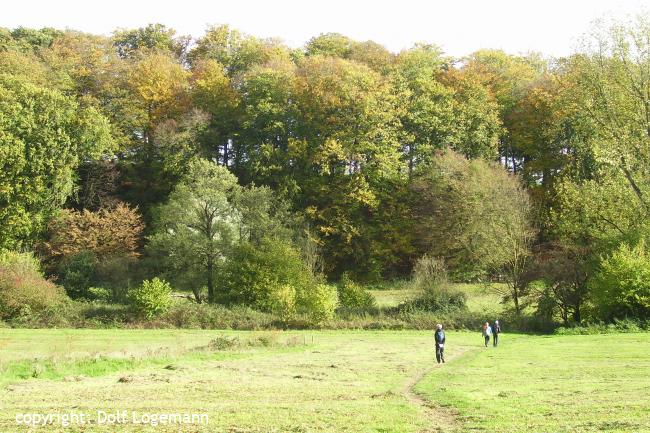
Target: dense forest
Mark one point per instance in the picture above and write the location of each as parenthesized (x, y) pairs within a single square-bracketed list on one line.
[(246, 172)]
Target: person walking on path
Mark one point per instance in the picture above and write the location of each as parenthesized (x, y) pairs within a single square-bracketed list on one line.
[(487, 331), (439, 337), (496, 330)]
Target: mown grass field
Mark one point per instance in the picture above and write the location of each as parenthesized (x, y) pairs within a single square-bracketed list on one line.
[(299, 381), (348, 381), (585, 383)]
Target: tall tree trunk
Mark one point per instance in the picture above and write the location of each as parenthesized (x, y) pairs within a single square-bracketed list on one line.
[(197, 295), (576, 313), (210, 280), (515, 299)]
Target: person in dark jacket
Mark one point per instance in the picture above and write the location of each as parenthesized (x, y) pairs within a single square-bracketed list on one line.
[(439, 337), (496, 330)]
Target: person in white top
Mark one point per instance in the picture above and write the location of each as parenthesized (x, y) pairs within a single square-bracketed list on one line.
[(487, 331)]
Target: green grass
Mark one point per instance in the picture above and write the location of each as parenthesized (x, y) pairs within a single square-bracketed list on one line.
[(329, 381), (392, 297), (480, 297), (82, 343), (483, 297), (589, 383)]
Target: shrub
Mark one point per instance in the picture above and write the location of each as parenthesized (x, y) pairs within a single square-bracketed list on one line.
[(436, 300), (282, 301), (428, 273), (224, 343), (320, 302), (266, 339), (354, 296), (20, 262), (430, 277), (152, 298), (117, 274), (621, 288), (99, 294), (258, 275), (207, 316), (617, 326), (23, 289), (109, 232), (78, 273)]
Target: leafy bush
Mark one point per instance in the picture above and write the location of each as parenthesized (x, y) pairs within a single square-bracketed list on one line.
[(320, 302), (435, 293), (78, 273), (617, 326), (429, 272), (354, 296), (224, 343), (23, 289), (99, 294), (621, 288), (207, 316), (282, 301), (436, 300), (109, 232), (152, 298), (265, 339), (81, 271), (20, 262), (258, 276)]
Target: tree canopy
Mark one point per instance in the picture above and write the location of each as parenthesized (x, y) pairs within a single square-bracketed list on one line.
[(499, 164)]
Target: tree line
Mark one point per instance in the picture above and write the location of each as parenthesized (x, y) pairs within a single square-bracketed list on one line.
[(147, 152)]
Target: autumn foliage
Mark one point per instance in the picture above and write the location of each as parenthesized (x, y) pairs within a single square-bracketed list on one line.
[(23, 289), (114, 232)]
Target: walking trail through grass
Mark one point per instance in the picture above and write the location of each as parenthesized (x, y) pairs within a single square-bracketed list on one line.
[(585, 383), (329, 381), (349, 381), (440, 419)]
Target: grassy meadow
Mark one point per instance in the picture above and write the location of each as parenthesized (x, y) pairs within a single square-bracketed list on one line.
[(589, 383), (480, 297), (352, 381), (269, 381)]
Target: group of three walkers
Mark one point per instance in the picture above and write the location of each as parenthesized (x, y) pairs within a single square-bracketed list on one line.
[(488, 331)]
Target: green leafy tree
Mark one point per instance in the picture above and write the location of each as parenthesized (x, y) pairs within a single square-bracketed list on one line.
[(268, 122), (442, 108), (476, 123), (621, 288), (158, 92), (25, 65), (477, 217), (510, 79), (344, 149), (236, 52), (198, 226), (44, 136), (153, 37), (565, 271), (213, 93), (602, 196), (28, 40), (330, 44)]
